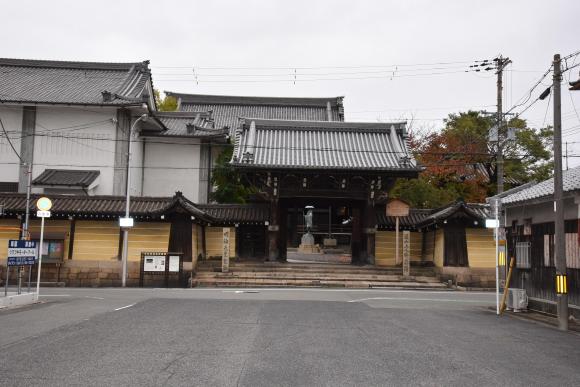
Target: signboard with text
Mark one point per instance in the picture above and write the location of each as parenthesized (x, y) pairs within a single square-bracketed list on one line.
[(21, 252), (226, 250), (406, 253), (397, 207)]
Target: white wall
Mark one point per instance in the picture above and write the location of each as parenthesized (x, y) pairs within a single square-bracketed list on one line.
[(12, 119), (171, 165), (76, 138)]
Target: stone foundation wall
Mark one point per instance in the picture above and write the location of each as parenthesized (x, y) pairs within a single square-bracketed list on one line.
[(467, 276), (95, 274)]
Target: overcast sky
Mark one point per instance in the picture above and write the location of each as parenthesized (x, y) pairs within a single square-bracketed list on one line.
[(390, 59)]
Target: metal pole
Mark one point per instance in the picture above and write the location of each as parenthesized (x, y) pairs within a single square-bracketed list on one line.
[(7, 276), (125, 252), (26, 228), (559, 236), (497, 204), (19, 275), (40, 257), (27, 216)]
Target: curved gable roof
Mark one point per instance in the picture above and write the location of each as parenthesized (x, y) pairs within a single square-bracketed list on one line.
[(74, 83)]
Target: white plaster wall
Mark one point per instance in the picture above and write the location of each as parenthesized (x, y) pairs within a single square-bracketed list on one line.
[(76, 138), (9, 163), (171, 165), (540, 212)]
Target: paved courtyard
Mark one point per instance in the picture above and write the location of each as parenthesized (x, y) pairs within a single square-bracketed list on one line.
[(278, 337)]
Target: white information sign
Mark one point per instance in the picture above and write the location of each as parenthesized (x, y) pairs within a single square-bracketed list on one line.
[(406, 253), (226, 250), (42, 214), (154, 263), (174, 263)]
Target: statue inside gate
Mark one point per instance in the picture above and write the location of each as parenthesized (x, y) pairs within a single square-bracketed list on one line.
[(307, 245)]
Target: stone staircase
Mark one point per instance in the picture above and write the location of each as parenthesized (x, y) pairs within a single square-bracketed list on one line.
[(273, 274)]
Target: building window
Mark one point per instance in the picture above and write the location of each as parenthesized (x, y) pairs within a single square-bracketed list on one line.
[(528, 226), (523, 250), (52, 249)]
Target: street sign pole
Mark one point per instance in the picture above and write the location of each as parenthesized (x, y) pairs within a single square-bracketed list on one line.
[(7, 275), (40, 256)]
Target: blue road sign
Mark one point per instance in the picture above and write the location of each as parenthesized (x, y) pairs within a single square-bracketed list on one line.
[(21, 252)]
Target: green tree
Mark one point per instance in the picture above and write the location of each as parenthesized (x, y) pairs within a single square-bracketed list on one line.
[(228, 182), (167, 104), (453, 156)]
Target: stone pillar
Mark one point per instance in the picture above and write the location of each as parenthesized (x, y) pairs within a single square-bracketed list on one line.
[(27, 145)]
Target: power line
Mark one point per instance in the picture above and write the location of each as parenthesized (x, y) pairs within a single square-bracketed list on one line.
[(10, 142)]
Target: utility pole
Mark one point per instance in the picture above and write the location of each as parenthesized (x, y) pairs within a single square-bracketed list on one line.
[(500, 65), (559, 236)]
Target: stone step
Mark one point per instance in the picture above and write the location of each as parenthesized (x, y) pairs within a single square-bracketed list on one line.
[(332, 268), (315, 276), (223, 282), (317, 273)]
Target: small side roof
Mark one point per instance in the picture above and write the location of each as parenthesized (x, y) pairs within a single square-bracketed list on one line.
[(185, 124), (66, 177), (74, 83), (477, 211)]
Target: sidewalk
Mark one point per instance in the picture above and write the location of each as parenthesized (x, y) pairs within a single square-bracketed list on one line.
[(543, 318)]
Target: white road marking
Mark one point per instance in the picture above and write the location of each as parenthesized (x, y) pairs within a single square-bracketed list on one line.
[(376, 290), (417, 299), (240, 291), (55, 295), (95, 298), (124, 307)]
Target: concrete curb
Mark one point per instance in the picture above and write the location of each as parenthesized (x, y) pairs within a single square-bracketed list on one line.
[(12, 300)]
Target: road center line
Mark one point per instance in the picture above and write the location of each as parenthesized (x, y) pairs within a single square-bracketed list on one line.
[(124, 307), (417, 299)]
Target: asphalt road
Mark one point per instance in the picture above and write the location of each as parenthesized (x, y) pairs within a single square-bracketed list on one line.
[(278, 337)]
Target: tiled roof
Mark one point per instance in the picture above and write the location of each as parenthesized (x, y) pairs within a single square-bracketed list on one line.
[(104, 206), (571, 182), (238, 213), (66, 177), (480, 172), (477, 211), (187, 124), (405, 222), (227, 109), (141, 207), (322, 145), (81, 83)]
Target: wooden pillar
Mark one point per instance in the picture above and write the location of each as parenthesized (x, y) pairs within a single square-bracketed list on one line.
[(283, 232), (370, 230), (273, 231), (71, 240), (203, 243), (355, 244)]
